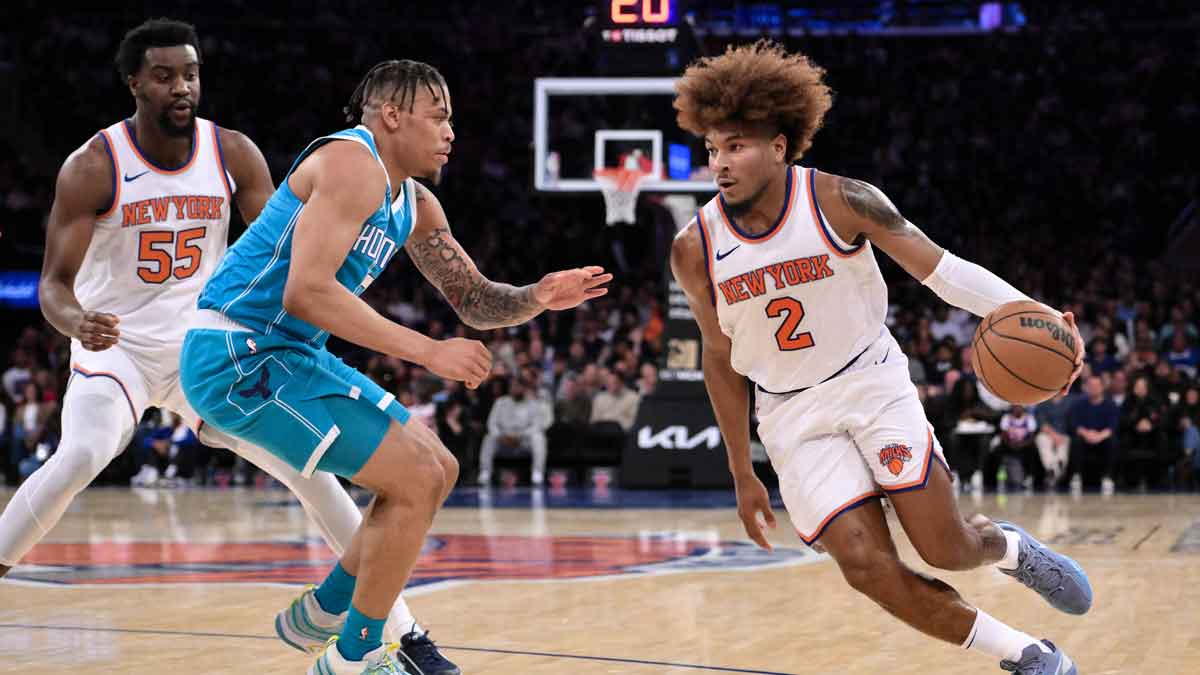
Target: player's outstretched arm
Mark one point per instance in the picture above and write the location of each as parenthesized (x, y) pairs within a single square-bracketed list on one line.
[(727, 390), (344, 186), (248, 167), (83, 189), (481, 303), (856, 209)]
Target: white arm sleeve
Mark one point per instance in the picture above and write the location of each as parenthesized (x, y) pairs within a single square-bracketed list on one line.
[(964, 284)]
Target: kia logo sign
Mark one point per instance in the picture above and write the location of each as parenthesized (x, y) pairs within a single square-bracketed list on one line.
[(676, 437)]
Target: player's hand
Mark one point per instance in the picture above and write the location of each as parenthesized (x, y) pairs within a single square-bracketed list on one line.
[(1069, 319), (467, 361), (571, 288), (752, 500), (98, 331)]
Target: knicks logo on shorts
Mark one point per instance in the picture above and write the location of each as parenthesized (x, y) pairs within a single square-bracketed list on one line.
[(894, 456)]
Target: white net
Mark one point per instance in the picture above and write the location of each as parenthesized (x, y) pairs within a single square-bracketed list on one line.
[(620, 188)]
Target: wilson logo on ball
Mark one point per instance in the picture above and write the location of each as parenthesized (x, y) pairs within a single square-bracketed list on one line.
[(894, 456), (1056, 331)]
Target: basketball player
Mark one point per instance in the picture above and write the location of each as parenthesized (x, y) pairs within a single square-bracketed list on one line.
[(140, 219), (781, 276), (255, 365)]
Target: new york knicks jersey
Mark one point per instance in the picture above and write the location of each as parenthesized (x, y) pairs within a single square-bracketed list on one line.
[(248, 286), (797, 303), (159, 240)]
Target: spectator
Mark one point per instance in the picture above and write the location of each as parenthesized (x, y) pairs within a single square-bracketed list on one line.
[(1054, 437), (1016, 451), (456, 433), (1094, 422), (647, 380), (617, 403), (17, 375), (1142, 436), (31, 443), (973, 429), (1185, 434), (1118, 387), (1100, 359), (170, 454), (517, 421), (1183, 356)]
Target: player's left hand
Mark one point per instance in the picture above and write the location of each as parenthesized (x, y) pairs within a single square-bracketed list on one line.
[(1069, 319), (570, 288)]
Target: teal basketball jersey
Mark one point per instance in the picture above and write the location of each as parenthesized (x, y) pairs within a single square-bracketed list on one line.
[(248, 285)]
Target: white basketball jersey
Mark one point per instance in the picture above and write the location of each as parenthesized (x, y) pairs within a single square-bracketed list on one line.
[(797, 303), (159, 241)]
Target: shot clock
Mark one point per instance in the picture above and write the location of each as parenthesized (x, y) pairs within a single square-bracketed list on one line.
[(642, 37)]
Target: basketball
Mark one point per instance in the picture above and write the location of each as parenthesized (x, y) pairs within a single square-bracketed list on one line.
[(1024, 352)]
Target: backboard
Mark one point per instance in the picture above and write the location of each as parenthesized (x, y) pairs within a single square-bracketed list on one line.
[(586, 124)]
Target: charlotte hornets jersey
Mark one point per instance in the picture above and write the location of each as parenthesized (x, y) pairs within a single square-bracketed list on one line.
[(797, 302), (248, 286)]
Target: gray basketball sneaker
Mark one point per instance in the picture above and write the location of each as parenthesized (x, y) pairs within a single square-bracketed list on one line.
[(1057, 578), (1034, 661)]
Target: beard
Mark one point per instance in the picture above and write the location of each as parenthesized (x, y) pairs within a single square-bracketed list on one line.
[(739, 209), (174, 130)]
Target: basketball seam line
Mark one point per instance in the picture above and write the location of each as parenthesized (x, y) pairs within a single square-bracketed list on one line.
[(1010, 372), (1035, 344), (979, 370)]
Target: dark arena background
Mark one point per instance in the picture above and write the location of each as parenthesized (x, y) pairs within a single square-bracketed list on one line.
[(1054, 143)]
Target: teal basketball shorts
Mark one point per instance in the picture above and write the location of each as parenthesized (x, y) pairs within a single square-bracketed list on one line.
[(299, 402)]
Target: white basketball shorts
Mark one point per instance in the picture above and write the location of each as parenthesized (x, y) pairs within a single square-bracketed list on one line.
[(841, 443)]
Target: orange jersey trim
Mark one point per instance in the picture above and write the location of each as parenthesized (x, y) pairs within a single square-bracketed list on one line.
[(128, 399), (787, 211), (708, 256), (852, 504), (155, 168), (819, 222), (116, 167), (221, 165)]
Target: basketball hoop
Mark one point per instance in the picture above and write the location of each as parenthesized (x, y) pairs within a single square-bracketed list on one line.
[(620, 188)]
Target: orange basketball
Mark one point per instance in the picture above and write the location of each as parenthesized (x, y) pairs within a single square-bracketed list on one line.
[(1024, 352)]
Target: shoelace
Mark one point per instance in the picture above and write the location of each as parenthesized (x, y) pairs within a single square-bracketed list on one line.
[(420, 648), (1037, 561), (385, 663)]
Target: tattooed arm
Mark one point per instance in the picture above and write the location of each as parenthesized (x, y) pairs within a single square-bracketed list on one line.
[(480, 302), (857, 210)]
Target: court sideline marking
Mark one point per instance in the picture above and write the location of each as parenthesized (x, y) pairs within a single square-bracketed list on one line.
[(613, 659)]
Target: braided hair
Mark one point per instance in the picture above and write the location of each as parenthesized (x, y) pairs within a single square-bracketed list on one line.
[(395, 81)]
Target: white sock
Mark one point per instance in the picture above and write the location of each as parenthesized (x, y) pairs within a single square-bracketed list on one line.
[(999, 640), (1009, 561)]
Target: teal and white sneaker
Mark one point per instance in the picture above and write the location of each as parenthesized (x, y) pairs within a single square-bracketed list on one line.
[(380, 661), (305, 626)]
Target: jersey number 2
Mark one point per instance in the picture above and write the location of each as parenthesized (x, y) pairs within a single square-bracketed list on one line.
[(156, 263), (792, 312)]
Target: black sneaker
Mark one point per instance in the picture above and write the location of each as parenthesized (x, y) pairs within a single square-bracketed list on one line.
[(422, 656)]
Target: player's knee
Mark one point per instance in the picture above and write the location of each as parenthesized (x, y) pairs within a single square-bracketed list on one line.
[(869, 572), (77, 464), (449, 467)]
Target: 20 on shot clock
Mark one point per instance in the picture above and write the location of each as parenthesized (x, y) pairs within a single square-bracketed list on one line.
[(642, 37)]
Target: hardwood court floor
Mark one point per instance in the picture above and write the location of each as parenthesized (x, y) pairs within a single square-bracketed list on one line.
[(188, 581)]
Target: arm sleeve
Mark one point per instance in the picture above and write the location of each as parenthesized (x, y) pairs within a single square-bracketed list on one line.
[(964, 284)]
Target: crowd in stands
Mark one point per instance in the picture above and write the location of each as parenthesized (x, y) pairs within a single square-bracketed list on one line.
[(1052, 156)]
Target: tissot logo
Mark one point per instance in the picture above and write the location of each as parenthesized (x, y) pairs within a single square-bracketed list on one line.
[(676, 437)]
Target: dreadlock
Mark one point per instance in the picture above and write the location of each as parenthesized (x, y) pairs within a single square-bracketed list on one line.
[(391, 79)]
